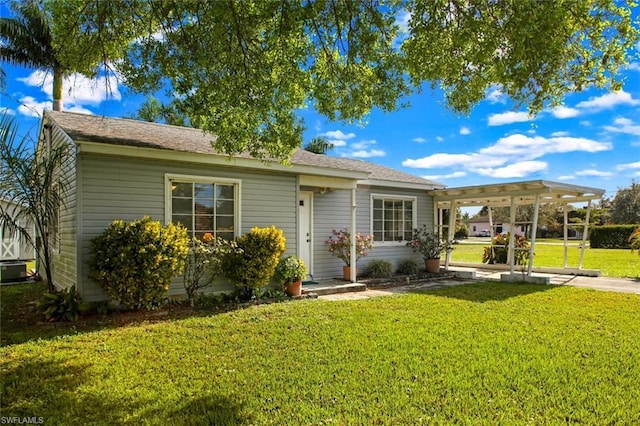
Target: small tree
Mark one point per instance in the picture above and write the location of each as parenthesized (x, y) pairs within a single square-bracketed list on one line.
[(134, 262), (634, 240), (625, 207), (254, 266), (34, 187)]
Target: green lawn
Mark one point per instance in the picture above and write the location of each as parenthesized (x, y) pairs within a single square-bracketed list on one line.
[(487, 353), (550, 253)]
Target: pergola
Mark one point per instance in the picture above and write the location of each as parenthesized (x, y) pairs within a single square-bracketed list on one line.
[(511, 195)]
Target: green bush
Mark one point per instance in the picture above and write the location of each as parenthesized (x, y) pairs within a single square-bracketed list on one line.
[(204, 263), (408, 267), (61, 306), (135, 262), (255, 264), (379, 268), (634, 240), (611, 236), (462, 232), (499, 250)]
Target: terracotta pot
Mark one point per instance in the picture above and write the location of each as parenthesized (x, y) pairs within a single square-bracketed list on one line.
[(432, 265), (346, 273), (294, 288)]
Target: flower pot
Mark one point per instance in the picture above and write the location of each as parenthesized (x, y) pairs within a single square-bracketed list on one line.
[(432, 265), (346, 273), (294, 288)]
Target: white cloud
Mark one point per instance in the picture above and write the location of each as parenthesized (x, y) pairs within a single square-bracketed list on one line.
[(402, 20), (78, 89), (625, 126), (364, 144), (495, 95), (560, 133), (366, 154), (566, 177), (594, 173), (608, 101), (439, 138), (520, 146), (564, 112), (449, 176), (32, 108), (628, 166), (452, 160), (585, 123), (338, 134), (508, 118), (465, 131), (419, 140), (337, 137), (516, 170), (634, 66)]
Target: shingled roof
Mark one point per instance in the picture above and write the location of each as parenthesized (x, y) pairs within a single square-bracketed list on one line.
[(118, 131)]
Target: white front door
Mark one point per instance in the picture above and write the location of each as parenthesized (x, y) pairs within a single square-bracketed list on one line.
[(305, 234)]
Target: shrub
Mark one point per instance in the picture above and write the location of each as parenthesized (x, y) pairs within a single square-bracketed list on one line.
[(291, 269), (134, 262), (340, 245), (428, 244), (204, 263), (379, 268), (498, 252), (254, 266), (634, 240), (611, 236), (462, 232), (62, 306), (408, 267)]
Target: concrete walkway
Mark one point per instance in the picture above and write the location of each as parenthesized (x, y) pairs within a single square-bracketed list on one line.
[(621, 285)]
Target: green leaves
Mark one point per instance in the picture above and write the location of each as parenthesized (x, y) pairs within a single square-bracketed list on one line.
[(134, 262)]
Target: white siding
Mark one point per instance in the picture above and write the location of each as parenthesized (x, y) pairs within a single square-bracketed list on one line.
[(118, 188)]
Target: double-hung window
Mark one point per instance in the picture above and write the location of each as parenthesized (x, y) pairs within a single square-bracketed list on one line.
[(393, 217), (204, 205)]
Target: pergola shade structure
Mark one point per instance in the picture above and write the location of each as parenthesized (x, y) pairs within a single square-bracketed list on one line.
[(511, 195)]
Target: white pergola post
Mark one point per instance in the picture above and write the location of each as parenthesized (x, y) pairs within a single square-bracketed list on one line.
[(584, 234), (534, 228), (491, 234), (352, 260), (512, 235), (566, 234), (451, 232)]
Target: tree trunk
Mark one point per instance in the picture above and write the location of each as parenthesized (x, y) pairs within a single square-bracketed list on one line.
[(57, 89)]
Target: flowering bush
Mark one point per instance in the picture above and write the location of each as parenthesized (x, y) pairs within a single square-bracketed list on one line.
[(291, 269), (428, 244), (340, 245), (499, 250)]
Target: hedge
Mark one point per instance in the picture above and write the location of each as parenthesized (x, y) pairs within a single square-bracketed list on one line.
[(611, 236)]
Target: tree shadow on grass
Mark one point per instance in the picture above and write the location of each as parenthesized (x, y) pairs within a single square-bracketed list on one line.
[(51, 389), (489, 291)]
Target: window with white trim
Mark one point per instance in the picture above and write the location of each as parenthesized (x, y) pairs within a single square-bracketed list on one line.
[(393, 218), (205, 206)]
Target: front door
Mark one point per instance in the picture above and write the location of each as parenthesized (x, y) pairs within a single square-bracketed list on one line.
[(305, 233)]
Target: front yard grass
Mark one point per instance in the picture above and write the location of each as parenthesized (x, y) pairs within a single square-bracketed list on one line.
[(610, 262), (486, 353)]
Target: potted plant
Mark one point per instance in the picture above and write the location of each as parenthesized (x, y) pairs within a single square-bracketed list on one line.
[(340, 246), (290, 271), (430, 246)]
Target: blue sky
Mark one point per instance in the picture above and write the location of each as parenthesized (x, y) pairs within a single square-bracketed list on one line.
[(592, 140)]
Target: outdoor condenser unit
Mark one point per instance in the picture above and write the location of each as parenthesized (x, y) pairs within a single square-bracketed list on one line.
[(13, 271)]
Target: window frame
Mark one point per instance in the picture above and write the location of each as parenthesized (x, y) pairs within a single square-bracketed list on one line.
[(393, 197), (237, 190)]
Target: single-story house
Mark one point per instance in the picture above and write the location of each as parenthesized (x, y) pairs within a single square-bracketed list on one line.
[(479, 226), (125, 169), (13, 246)]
